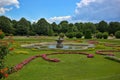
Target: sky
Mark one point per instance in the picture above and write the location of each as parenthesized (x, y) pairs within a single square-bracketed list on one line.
[(59, 10)]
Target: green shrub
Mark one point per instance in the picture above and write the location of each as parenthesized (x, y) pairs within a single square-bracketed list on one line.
[(79, 35), (105, 35), (88, 34), (2, 35), (117, 34), (99, 35), (70, 35), (55, 34), (61, 35)]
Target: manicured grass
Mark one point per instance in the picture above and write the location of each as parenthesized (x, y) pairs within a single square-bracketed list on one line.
[(70, 67)]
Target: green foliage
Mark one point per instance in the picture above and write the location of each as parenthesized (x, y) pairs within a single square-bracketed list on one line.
[(102, 26), (64, 26), (2, 35), (22, 27), (113, 27), (61, 35), (89, 26), (43, 27), (88, 34), (6, 25), (99, 35), (79, 35), (55, 34), (117, 34), (55, 27), (70, 34), (105, 35)]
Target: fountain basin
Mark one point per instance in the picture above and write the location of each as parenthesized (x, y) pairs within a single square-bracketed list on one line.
[(66, 46)]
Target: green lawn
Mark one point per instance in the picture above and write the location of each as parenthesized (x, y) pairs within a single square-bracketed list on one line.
[(70, 67)]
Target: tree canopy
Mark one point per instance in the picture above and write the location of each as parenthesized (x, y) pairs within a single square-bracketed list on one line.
[(42, 27)]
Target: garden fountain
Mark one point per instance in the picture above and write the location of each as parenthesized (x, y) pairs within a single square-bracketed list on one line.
[(59, 43)]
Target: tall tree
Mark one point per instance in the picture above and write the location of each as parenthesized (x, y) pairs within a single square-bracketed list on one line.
[(89, 26), (72, 28), (102, 26), (79, 26), (113, 27), (22, 27), (43, 27), (64, 26), (6, 25), (55, 27)]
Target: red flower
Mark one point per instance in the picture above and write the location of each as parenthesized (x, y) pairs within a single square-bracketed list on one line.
[(6, 75), (11, 49)]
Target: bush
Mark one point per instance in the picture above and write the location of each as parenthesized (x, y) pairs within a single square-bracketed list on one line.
[(2, 35), (99, 35), (88, 34), (70, 35), (117, 34), (105, 35), (55, 34), (61, 35), (79, 35)]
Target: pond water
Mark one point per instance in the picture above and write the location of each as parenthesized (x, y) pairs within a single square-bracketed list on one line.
[(65, 46)]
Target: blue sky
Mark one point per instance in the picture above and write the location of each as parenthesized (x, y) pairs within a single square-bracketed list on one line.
[(58, 10)]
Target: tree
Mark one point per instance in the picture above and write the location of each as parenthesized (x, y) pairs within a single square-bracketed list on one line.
[(117, 34), (79, 35), (79, 26), (43, 27), (89, 26), (88, 34), (72, 28), (70, 34), (55, 27), (6, 25), (22, 27), (102, 26), (64, 26), (113, 27)]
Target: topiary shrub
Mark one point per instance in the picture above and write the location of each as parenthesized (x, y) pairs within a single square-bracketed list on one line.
[(2, 35), (99, 35), (117, 34), (88, 34), (105, 35), (79, 35), (70, 35), (61, 35)]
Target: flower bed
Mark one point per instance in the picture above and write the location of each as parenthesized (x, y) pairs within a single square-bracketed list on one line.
[(93, 42), (106, 52), (44, 56)]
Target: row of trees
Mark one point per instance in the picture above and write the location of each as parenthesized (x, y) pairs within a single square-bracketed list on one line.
[(42, 27)]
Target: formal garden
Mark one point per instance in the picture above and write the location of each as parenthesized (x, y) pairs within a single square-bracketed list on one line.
[(22, 58), (59, 51)]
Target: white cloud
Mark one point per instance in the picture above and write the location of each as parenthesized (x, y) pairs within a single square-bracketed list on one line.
[(5, 5), (59, 18), (90, 10), (84, 3)]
